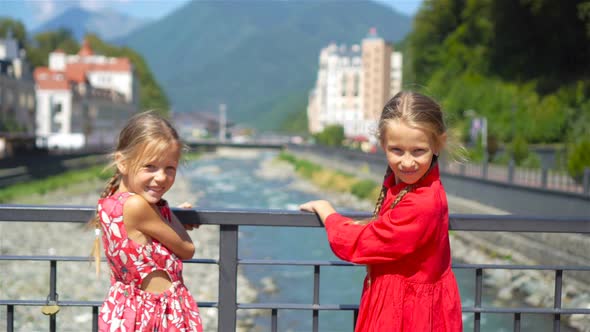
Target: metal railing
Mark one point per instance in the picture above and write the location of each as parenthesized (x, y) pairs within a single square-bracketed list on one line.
[(521, 176), (229, 222), (547, 179)]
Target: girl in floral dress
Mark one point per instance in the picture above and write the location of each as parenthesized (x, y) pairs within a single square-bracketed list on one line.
[(143, 240), (409, 285)]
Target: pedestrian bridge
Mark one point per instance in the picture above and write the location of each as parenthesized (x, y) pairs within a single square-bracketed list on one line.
[(230, 221)]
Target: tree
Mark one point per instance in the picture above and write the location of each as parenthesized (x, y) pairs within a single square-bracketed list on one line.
[(332, 135)]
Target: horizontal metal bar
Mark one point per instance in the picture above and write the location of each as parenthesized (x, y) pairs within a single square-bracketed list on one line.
[(303, 263), (293, 262), (483, 310), (297, 306), (512, 223), (85, 259), (527, 310), (519, 267), (35, 303), (289, 218), (455, 265)]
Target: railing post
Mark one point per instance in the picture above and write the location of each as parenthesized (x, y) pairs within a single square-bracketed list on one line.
[(484, 167), (228, 274), (94, 319), (52, 292), (544, 176), (557, 299), (511, 171), (516, 322), (316, 297), (9, 318), (586, 181), (477, 304)]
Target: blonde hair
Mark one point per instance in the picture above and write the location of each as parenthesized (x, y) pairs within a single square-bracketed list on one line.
[(146, 135), (418, 111)]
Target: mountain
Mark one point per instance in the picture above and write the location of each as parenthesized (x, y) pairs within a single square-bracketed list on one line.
[(253, 55), (106, 23)]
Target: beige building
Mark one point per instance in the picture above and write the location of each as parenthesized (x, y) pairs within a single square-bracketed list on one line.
[(353, 84)]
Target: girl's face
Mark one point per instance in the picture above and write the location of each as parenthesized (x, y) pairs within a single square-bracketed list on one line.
[(409, 151), (154, 177)]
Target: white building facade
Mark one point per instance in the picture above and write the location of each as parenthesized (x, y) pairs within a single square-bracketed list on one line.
[(83, 99), (353, 84)]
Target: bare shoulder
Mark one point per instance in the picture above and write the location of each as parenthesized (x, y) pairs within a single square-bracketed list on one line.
[(137, 209)]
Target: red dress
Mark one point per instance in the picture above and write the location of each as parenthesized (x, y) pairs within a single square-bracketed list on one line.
[(127, 307), (410, 286)]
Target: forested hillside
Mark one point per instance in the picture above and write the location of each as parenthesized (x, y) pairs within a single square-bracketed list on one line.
[(260, 58), (523, 64)]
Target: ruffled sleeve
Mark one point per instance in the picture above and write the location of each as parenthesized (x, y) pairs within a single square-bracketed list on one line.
[(395, 234)]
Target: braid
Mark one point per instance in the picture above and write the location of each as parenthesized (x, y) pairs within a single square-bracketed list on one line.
[(112, 185), (109, 189), (401, 195), (381, 197)]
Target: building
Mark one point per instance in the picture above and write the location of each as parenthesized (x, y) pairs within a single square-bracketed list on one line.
[(17, 99), (353, 84), (83, 99)]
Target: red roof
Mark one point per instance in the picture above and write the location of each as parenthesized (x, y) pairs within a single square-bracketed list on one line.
[(77, 72), (50, 80)]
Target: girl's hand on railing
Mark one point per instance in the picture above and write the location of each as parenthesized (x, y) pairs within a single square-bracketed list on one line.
[(187, 205), (320, 207)]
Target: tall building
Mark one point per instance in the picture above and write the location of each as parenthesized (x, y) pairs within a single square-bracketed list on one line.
[(83, 99), (17, 99), (353, 84)]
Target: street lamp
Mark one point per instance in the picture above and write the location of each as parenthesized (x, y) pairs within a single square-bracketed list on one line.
[(479, 124), (222, 122)]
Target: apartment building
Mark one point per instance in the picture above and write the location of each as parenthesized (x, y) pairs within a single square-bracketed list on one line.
[(353, 83), (17, 99), (83, 99)]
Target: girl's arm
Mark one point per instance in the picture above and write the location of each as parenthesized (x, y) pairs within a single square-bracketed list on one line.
[(400, 231), (322, 208), (139, 215)]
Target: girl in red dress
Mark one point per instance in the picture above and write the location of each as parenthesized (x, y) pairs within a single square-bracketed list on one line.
[(409, 284), (143, 241)]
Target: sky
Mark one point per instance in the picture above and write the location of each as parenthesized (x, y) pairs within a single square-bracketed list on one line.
[(34, 12)]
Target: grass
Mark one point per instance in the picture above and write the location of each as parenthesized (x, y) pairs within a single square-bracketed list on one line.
[(332, 179), (64, 180), (42, 186)]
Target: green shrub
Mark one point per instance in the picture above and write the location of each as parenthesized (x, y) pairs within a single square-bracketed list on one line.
[(363, 188), (332, 135), (502, 159), (306, 168), (519, 149), (579, 159), (531, 161)]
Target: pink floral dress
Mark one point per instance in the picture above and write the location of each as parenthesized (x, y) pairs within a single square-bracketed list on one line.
[(127, 307)]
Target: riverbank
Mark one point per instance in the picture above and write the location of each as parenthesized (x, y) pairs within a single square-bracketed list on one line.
[(77, 280)]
